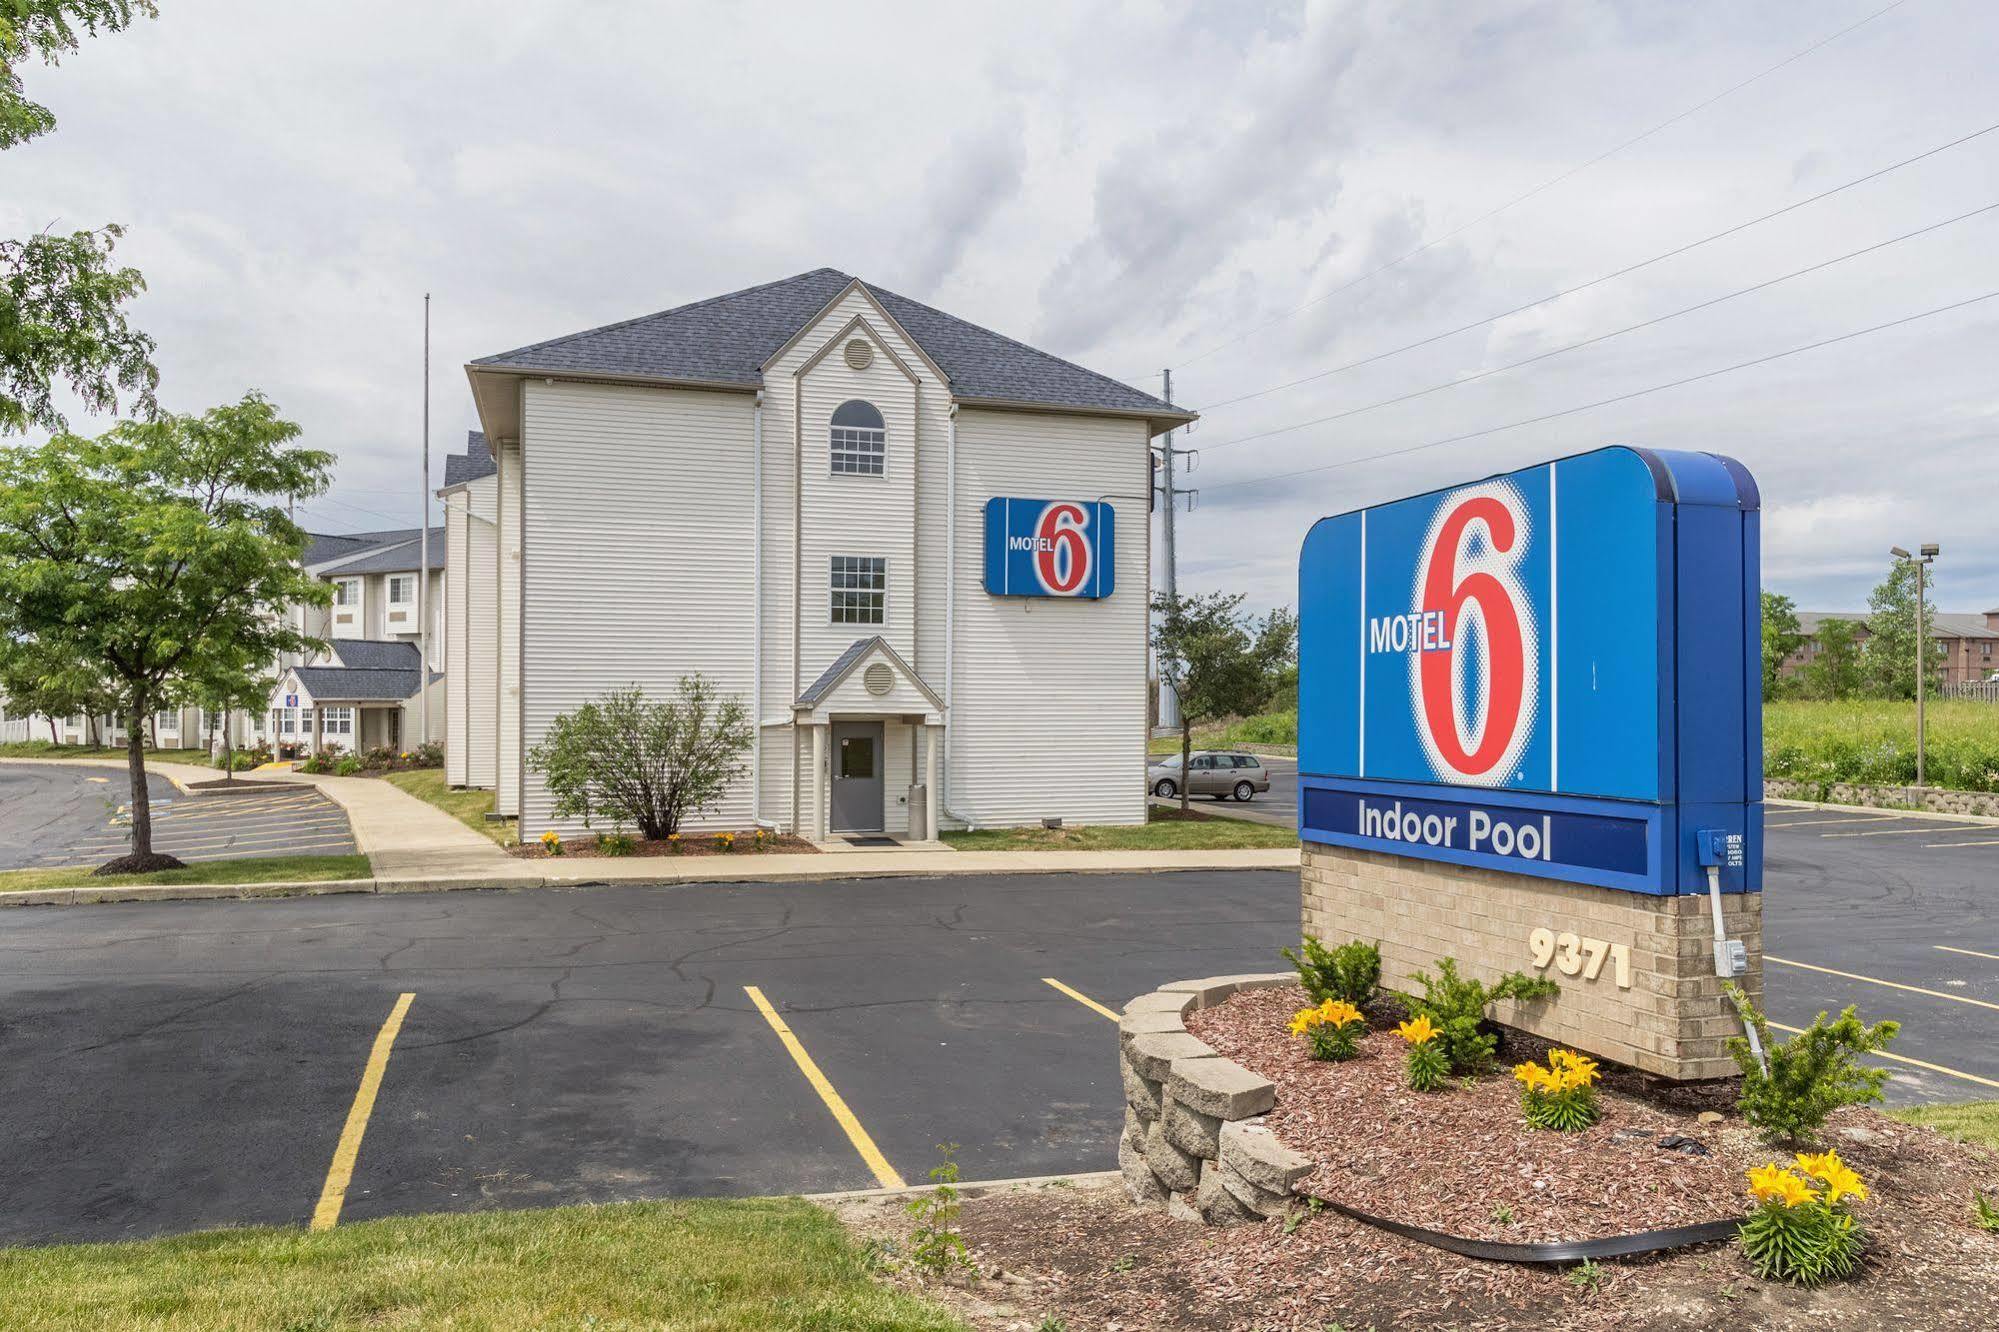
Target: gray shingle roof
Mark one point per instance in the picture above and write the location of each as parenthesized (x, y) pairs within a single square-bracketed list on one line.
[(339, 683), (371, 654), (400, 555), (471, 465), (726, 339), (1944, 624), (829, 677)]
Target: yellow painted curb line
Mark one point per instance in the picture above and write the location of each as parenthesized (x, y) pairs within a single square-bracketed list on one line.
[(1079, 997), (341, 1173), (884, 1172)]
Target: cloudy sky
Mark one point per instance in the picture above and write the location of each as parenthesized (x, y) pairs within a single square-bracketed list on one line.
[(1217, 187)]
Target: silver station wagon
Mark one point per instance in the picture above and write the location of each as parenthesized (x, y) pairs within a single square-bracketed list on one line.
[(1211, 773)]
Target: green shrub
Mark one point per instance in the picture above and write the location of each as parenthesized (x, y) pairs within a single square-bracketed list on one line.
[(347, 767), (1809, 1076), (1457, 1006), (630, 761), (1350, 973), (616, 844)]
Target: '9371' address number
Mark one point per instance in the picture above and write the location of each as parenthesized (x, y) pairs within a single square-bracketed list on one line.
[(1575, 955)]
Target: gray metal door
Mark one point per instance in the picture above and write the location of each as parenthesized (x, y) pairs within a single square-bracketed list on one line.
[(857, 777)]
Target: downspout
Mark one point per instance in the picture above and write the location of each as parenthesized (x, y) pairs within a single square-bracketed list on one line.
[(757, 615), (950, 609)]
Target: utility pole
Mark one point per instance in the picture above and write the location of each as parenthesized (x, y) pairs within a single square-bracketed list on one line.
[(1169, 702), (423, 551), (1926, 556)]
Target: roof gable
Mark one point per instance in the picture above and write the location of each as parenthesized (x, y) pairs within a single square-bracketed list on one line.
[(728, 340)]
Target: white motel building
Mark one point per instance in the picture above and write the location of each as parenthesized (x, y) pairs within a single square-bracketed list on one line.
[(916, 551)]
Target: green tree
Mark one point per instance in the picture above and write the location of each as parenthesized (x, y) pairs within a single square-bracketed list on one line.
[(1206, 657), (231, 682), (1890, 651), (634, 762), (61, 297), (1835, 669), (32, 685), (1276, 650), (155, 557), (1781, 637)]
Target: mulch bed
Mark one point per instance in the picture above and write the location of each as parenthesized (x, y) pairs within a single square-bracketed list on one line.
[(1086, 1256), (584, 849), (1462, 1160)]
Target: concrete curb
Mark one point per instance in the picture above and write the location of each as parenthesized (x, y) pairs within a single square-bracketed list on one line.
[(86, 895), (1886, 811), (968, 1189)]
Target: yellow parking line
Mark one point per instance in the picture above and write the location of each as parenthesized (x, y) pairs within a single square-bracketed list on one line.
[(341, 1173), (1917, 1063), (1893, 985), (1932, 846), (1888, 832), (1079, 997), (884, 1172), (1968, 952)]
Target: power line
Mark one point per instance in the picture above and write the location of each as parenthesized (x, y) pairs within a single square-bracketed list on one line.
[(1605, 337), (1545, 185), (1605, 402), (1606, 277), (376, 513)]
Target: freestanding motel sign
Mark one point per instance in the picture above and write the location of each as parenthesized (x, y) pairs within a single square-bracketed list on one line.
[(1529, 737)]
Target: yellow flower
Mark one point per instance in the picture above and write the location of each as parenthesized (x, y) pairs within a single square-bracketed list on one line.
[(1338, 1012), (1303, 1020), (1421, 1031), (1775, 1183), (551, 837), (1840, 1180)]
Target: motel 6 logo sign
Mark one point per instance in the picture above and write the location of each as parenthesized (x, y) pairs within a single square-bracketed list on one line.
[(1050, 548), (1470, 637)]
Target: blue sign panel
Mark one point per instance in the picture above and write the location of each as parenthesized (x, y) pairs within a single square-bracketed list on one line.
[(1050, 548), (1567, 655)]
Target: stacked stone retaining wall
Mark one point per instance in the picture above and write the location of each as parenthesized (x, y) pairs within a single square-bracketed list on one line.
[(1194, 1140), (1930, 798)]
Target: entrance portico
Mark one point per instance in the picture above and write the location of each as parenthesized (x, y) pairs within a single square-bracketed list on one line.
[(873, 731)]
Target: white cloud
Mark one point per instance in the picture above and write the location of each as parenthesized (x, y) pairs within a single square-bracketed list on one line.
[(1131, 186)]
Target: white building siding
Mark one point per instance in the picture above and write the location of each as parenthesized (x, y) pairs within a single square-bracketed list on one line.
[(478, 645), (1048, 717), (637, 559), (457, 680), (507, 785)]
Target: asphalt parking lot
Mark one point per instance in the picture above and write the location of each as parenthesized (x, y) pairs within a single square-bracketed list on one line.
[(57, 815), (170, 1066)]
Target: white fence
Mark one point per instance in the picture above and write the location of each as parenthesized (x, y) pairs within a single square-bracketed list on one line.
[(1984, 692)]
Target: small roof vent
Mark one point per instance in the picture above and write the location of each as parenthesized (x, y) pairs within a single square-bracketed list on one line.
[(860, 353), (878, 678)]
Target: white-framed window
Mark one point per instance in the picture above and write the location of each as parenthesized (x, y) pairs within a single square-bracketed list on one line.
[(284, 721), (859, 440), (402, 589), (338, 721), (346, 591), (860, 589), (166, 723)]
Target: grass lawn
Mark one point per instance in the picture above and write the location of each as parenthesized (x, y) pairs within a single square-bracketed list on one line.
[(1163, 830), (1970, 1121), (1874, 741), (716, 1266), (42, 749), (469, 807), (1270, 728), (267, 869)]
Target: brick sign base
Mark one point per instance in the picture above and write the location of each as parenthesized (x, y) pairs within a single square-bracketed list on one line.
[(1642, 990)]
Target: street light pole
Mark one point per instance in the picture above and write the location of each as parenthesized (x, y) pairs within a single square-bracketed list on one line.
[(1928, 554)]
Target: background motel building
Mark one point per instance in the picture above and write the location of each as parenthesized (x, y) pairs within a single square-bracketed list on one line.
[(785, 490)]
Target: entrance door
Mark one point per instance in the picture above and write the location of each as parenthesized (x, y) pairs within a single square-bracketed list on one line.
[(857, 777)]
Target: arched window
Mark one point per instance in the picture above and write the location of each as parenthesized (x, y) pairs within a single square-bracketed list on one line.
[(859, 439)]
